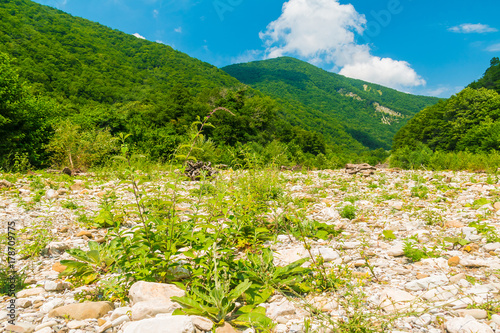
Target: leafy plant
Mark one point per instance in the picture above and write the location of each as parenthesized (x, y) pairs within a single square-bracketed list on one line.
[(348, 212), (90, 264), (388, 235), (486, 230), (260, 269), (414, 253), (216, 303)]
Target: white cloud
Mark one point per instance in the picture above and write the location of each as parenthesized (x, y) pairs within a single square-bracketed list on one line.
[(178, 30), (469, 28), (494, 48), (155, 13), (248, 56), (139, 36), (385, 71), (324, 32)]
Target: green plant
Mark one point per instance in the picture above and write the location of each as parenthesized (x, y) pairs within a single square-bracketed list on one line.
[(216, 302), (348, 212), (388, 235), (90, 264), (37, 239), (69, 205), (414, 253), (420, 191), (260, 269), (486, 230), (456, 241)]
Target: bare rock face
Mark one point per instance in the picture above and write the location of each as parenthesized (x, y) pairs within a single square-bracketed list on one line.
[(195, 170), (363, 169)]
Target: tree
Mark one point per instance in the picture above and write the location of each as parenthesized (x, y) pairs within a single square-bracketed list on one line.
[(24, 126)]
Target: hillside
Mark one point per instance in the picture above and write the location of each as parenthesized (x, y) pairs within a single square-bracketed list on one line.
[(100, 82), (468, 121), (315, 98)]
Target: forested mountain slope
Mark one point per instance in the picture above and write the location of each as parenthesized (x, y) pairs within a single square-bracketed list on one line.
[(99, 79), (468, 121), (372, 114)]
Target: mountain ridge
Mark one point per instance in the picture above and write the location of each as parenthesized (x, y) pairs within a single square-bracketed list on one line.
[(308, 87)]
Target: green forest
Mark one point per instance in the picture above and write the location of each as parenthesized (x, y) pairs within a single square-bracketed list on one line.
[(468, 122), (86, 83)]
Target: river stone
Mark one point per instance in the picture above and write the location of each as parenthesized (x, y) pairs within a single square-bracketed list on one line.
[(467, 325), (167, 324), (150, 291), (476, 313), (227, 328), (394, 300), (30, 292), (80, 311), (396, 250), (149, 309), (118, 312), (202, 323), (424, 284)]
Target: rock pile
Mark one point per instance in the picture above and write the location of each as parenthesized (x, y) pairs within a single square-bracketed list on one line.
[(456, 289), (363, 169), (194, 170)]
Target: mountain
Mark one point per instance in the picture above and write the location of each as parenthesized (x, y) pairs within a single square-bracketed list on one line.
[(468, 121), (98, 80), (331, 103)]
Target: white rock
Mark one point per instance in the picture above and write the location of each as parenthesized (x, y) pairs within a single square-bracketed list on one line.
[(46, 324), (281, 328), (440, 293), (120, 320), (491, 247), (426, 283), (74, 324), (330, 213), (54, 285), (280, 309), (168, 324), (149, 309), (327, 253), (51, 194), (45, 330), (57, 247), (202, 323), (118, 312), (396, 250), (30, 292), (467, 325), (149, 291), (46, 307), (496, 319), (3, 315), (476, 313), (288, 256), (23, 302), (395, 300)]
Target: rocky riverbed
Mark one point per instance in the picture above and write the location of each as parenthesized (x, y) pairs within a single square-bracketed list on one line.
[(450, 219)]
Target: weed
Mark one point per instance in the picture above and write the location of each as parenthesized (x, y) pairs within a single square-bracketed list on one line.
[(348, 212)]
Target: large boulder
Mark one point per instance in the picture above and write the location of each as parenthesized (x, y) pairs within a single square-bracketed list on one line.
[(150, 291)]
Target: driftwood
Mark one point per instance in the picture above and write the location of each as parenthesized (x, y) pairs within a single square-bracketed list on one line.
[(363, 169), (194, 170)]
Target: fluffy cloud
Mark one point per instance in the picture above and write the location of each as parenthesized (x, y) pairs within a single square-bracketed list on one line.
[(139, 36), (324, 32), (385, 71), (178, 30), (469, 28)]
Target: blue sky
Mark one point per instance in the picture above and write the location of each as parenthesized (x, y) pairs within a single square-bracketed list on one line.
[(418, 46)]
